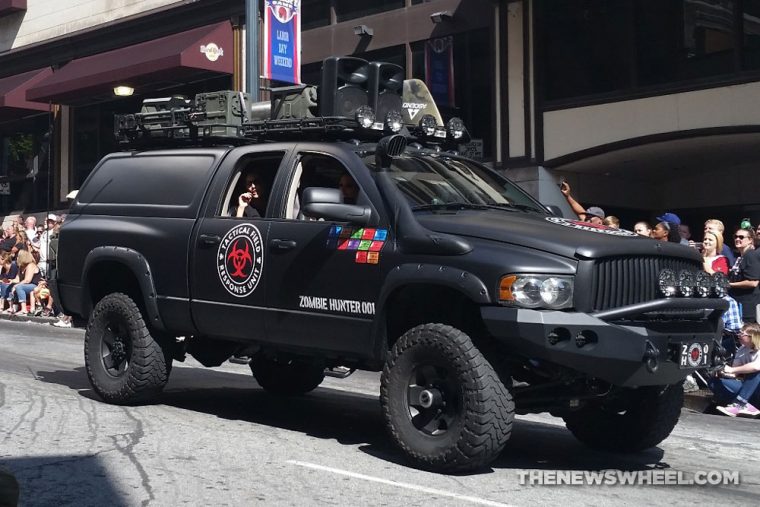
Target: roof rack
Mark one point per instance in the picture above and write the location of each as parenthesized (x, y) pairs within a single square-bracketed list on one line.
[(345, 112)]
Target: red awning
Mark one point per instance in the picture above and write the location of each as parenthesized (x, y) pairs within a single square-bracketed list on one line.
[(11, 6), (13, 102), (153, 64)]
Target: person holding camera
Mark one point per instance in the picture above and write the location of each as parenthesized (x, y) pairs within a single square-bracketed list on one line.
[(713, 261)]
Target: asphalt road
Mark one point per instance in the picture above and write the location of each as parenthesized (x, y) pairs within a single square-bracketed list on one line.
[(215, 438)]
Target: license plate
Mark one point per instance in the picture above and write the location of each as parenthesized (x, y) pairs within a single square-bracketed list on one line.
[(695, 355)]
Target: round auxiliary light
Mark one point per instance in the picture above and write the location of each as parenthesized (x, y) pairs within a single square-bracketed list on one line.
[(365, 116), (667, 282), (456, 129), (703, 284), (428, 125), (394, 121), (686, 282), (720, 284)]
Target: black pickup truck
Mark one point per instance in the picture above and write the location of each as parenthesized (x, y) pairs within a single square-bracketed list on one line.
[(472, 298)]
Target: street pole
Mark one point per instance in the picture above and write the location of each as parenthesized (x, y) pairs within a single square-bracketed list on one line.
[(252, 49)]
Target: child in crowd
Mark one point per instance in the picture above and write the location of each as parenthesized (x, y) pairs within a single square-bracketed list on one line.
[(42, 299), (738, 384)]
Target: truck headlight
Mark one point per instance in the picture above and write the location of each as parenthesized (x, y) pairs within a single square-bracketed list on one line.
[(537, 291)]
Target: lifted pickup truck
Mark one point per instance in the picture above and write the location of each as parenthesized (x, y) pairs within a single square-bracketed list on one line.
[(370, 246)]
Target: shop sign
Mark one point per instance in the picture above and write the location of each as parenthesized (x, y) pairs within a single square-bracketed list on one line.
[(282, 40), (212, 51)]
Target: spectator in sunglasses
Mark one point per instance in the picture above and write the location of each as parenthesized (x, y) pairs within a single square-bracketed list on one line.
[(744, 275)]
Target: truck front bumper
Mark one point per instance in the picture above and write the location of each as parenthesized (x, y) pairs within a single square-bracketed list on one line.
[(637, 345)]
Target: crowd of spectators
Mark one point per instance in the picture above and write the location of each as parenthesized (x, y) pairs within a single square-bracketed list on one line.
[(736, 386), (28, 253)]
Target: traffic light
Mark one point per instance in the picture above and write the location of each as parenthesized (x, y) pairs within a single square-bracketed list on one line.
[(344, 86), (384, 89)]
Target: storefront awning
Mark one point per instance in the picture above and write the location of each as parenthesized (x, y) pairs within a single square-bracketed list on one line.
[(11, 6), (151, 65), (13, 102)]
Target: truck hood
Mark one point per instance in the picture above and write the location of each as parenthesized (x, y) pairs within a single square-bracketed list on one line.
[(569, 238)]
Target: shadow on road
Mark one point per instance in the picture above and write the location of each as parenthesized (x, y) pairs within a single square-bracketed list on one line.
[(61, 480), (352, 419)]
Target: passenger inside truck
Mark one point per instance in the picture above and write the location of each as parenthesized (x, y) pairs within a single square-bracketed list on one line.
[(319, 171), (248, 191)]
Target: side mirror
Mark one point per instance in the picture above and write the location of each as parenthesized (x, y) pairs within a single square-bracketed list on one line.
[(327, 203), (554, 210)]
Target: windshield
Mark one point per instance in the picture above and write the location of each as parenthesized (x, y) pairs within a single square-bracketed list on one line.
[(428, 181)]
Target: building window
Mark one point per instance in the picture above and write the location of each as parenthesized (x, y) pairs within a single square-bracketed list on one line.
[(677, 41), (25, 181), (352, 9), (316, 13), (597, 47), (751, 34), (586, 46)]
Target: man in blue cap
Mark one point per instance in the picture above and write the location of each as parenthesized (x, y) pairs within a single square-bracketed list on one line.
[(674, 221)]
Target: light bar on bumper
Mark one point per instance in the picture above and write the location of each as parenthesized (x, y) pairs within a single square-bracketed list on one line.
[(692, 284), (553, 292)]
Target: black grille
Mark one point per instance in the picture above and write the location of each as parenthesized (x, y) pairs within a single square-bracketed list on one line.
[(620, 281)]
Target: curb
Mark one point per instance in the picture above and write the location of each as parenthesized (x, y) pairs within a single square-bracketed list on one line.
[(28, 318), (699, 401)]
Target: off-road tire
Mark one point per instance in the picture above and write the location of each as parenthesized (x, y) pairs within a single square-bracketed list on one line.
[(145, 372), (649, 415), (287, 377), (474, 419)]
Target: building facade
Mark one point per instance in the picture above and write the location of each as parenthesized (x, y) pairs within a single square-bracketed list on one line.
[(642, 105), (61, 60)]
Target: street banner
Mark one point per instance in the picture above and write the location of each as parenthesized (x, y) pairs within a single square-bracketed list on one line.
[(282, 40), (439, 69)]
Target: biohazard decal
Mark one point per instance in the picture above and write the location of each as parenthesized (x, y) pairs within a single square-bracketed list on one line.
[(240, 260), (585, 226), (367, 243)]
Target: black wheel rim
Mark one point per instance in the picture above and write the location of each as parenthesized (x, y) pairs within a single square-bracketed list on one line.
[(115, 348), (433, 399)]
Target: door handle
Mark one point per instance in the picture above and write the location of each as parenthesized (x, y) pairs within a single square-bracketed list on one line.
[(283, 244), (209, 239)]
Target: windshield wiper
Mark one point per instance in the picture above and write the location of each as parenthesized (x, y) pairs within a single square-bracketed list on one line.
[(456, 206), (523, 207)]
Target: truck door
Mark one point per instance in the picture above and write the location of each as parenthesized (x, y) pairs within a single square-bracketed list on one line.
[(324, 277), (228, 252)]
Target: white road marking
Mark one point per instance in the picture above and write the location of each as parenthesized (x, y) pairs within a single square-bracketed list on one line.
[(413, 487)]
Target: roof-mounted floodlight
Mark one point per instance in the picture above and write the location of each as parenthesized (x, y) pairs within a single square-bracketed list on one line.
[(441, 16), (363, 31)]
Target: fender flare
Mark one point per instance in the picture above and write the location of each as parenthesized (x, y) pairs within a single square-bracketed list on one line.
[(138, 265), (402, 275)]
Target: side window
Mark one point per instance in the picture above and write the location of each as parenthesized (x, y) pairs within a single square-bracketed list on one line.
[(314, 170), (247, 194)]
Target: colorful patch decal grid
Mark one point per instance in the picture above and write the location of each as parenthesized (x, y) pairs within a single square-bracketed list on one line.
[(366, 242)]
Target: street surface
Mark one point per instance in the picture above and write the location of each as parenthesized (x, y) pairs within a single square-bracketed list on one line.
[(215, 438)]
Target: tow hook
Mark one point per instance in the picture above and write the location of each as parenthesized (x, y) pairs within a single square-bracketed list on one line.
[(650, 357)]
